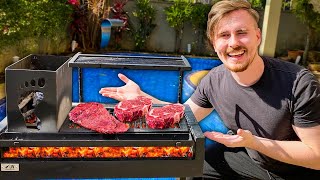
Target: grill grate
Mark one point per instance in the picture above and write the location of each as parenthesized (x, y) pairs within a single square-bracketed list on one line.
[(130, 62), (139, 126), (71, 134)]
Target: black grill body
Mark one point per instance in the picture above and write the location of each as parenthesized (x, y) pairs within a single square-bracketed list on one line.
[(58, 131)]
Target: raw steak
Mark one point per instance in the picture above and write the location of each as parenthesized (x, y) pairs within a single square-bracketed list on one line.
[(131, 110), (165, 117), (95, 117)]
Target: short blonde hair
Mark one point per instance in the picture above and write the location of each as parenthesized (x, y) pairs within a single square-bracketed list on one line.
[(221, 8)]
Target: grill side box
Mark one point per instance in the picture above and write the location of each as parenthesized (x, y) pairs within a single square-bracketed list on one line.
[(39, 73)]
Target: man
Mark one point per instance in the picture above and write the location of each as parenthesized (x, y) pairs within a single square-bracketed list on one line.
[(272, 107)]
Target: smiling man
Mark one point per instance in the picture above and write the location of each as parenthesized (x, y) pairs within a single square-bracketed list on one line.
[(271, 107)]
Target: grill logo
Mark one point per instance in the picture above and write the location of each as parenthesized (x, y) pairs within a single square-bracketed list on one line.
[(9, 167)]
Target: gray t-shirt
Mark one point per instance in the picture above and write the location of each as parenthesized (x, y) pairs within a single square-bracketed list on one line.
[(285, 95)]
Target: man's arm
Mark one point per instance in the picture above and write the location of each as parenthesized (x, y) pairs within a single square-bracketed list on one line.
[(304, 153), (129, 91), (199, 112)]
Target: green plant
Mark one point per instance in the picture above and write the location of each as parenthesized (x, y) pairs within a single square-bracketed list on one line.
[(198, 16), (258, 4), (146, 15), (308, 15), (177, 15), (37, 19), (118, 12), (286, 4), (79, 23)]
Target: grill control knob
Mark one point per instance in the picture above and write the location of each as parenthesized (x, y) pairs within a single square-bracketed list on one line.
[(178, 144)]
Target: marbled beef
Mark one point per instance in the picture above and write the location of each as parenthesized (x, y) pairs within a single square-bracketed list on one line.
[(95, 117), (165, 117), (131, 110)]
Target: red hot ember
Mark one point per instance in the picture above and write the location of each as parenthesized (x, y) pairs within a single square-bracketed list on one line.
[(97, 152)]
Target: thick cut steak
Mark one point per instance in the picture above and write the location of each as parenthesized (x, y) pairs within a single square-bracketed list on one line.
[(131, 110), (95, 117), (165, 117)]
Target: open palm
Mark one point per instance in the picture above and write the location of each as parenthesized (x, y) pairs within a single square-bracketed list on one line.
[(129, 91)]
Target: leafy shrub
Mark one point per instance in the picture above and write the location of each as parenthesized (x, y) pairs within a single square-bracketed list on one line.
[(146, 15), (198, 17), (24, 19), (177, 15), (119, 13)]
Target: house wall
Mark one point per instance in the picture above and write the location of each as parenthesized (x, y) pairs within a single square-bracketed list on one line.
[(291, 35)]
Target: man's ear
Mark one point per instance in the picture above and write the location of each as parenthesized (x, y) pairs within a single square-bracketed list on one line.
[(259, 35)]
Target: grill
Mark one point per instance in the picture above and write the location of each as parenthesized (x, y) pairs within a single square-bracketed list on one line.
[(76, 152)]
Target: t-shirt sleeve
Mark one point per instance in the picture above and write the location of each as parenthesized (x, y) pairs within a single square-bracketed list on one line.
[(306, 94), (199, 96)]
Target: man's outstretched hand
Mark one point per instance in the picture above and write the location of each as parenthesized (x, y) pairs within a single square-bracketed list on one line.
[(243, 138), (129, 91)]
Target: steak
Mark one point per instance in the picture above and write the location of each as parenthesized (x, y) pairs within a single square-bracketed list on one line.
[(165, 117), (95, 117), (131, 110)]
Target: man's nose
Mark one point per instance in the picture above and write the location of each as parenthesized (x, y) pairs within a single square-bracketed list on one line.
[(233, 41)]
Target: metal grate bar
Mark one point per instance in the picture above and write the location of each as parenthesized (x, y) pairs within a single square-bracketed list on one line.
[(138, 126), (135, 61)]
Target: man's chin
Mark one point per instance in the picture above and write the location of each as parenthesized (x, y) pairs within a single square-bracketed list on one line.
[(237, 68)]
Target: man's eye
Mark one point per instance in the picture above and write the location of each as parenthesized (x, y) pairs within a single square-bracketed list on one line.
[(224, 35)]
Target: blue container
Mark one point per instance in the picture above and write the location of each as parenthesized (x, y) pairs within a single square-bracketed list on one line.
[(212, 122), (158, 83), (200, 66), (2, 109), (162, 81)]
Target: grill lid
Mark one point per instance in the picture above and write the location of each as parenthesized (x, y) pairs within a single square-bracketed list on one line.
[(130, 62)]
